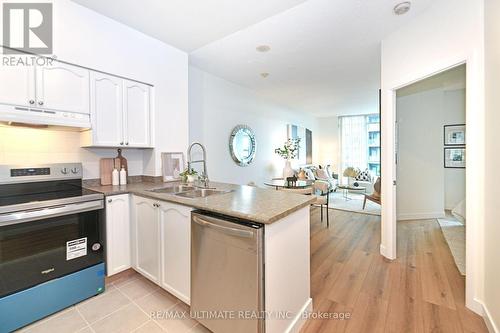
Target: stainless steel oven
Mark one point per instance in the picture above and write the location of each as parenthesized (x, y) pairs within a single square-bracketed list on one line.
[(43, 244), (51, 242)]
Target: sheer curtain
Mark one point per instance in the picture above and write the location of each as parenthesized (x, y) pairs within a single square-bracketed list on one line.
[(353, 140)]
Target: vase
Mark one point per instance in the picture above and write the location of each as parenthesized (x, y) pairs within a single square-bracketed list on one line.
[(191, 178), (287, 170)]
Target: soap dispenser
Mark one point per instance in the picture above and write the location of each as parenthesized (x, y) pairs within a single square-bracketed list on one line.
[(123, 176), (115, 177)]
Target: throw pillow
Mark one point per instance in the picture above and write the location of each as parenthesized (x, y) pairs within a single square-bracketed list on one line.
[(329, 171), (310, 174), (364, 176), (322, 174)]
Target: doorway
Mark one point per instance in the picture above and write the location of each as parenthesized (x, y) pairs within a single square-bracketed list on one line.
[(431, 156)]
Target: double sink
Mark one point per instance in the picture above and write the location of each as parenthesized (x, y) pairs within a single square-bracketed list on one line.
[(188, 191)]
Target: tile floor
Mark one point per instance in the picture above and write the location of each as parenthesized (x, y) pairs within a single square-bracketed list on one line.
[(128, 305)]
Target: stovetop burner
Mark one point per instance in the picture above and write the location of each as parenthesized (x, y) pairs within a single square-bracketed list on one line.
[(14, 194), (42, 186)]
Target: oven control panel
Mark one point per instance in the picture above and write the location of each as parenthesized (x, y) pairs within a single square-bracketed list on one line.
[(55, 171), (29, 172)]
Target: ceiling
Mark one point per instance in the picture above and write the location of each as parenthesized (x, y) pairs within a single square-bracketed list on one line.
[(188, 24), (324, 57), (449, 80)]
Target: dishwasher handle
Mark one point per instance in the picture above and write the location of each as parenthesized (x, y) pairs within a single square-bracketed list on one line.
[(210, 222)]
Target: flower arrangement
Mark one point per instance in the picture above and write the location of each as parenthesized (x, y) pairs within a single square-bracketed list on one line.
[(351, 172), (289, 149)]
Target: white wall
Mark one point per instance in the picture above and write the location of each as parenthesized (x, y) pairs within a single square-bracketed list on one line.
[(83, 37), (454, 179), (448, 33), (425, 187), (492, 211), (328, 142), (216, 106)]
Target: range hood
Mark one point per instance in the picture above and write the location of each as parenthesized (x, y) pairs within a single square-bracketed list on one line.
[(10, 114)]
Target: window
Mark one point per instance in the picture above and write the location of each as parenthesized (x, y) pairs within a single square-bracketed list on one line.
[(360, 142)]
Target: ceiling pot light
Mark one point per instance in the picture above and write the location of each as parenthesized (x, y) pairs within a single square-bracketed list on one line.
[(402, 8), (264, 75), (263, 48)]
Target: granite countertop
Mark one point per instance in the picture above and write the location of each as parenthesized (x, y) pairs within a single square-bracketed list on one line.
[(246, 202)]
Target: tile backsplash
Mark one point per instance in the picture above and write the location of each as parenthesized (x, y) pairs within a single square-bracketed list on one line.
[(29, 146)]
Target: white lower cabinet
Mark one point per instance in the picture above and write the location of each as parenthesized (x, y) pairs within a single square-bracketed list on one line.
[(175, 231), (146, 238), (117, 234), (161, 244)]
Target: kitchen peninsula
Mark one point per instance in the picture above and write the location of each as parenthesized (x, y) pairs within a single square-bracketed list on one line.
[(155, 227)]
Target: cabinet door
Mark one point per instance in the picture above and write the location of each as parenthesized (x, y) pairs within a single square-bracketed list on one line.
[(63, 87), (106, 110), (117, 234), (136, 113), (17, 85), (146, 238), (175, 229)]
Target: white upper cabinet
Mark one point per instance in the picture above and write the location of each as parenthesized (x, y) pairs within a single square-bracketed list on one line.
[(106, 109), (120, 113), (63, 87), (146, 239), (136, 112), (17, 85), (118, 251), (175, 230)]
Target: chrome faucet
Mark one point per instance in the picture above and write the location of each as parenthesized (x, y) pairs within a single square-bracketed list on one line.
[(204, 175)]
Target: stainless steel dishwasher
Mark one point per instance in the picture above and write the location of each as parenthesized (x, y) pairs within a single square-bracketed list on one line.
[(227, 273)]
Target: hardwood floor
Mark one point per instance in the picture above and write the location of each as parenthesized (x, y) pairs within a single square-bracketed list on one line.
[(421, 291)]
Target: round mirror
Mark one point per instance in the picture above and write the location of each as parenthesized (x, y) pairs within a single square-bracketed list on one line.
[(242, 145)]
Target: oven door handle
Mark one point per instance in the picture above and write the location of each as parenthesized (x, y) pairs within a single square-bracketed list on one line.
[(33, 215)]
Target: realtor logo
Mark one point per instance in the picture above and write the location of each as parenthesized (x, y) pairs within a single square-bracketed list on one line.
[(27, 27)]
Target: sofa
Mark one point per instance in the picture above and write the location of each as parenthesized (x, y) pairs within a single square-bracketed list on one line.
[(367, 183), (323, 173)]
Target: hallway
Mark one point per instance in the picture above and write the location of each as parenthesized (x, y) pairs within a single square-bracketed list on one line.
[(422, 291)]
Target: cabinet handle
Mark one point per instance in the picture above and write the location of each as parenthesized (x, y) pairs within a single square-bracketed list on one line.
[(110, 200), (121, 143), (31, 101), (126, 143), (40, 102)]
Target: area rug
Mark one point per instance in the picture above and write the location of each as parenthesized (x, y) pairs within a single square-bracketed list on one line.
[(354, 203), (454, 234)]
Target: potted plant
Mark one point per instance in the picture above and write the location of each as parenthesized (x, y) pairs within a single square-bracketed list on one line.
[(289, 151), (189, 175)]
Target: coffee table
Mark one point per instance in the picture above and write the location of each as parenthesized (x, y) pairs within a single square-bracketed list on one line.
[(346, 188), (282, 183)]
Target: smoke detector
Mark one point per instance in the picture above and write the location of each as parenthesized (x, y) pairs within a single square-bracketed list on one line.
[(263, 48), (402, 8), (264, 75)]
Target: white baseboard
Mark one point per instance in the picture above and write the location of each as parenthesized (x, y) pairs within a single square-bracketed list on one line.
[(490, 324), (299, 320), (385, 253), (475, 305), (420, 216)]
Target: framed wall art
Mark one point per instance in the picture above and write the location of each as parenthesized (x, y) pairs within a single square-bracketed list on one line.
[(172, 166), (454, 157), (454, 135)]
